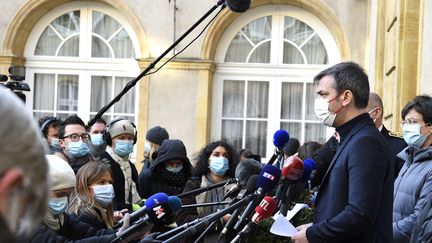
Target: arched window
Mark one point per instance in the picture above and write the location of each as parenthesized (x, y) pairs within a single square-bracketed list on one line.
[(78, 58), (264, 78)]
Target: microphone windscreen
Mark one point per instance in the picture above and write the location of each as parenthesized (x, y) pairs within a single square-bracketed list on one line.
[(311, 162), (280, 138), (292, 168), (246, 168), (264, 210), (238, 6), (156, 199), (175, 203), (308, 168), (159, 213), (269, 177), (251, 184)]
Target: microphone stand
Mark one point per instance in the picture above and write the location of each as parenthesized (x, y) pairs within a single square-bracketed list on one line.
[(204, 189), (204, 204), (206, 222), (133, 82), (134, 231)]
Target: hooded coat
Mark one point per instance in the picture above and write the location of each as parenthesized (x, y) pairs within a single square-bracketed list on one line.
[(157, 179)]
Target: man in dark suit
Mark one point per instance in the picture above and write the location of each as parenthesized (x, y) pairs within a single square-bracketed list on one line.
[(375, 109), (354, 202)]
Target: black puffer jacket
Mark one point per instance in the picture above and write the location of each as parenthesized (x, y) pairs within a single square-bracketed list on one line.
[(72, 230), (157, 179)]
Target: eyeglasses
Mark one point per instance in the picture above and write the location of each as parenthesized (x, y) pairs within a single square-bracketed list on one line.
[(76, 137), (411, 121)]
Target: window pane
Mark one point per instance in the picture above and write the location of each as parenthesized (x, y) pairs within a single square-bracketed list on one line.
[(296, 31), (248, 37), (256, 136), (292, 98), (67, 24), (67, 93), (104, 25), (310, 101), (48, 43), (38, 115), (261, 54), (233, 98), (232, 132), (315, 51), (127, 102), (43, 98), (100, 92), (70, 47), (291, 55), (122, 45), (257, 99), (99, 48), (315, 132), (293, 129)]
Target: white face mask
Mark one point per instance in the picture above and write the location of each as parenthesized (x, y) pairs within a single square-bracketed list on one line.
[(103, 194), (374, 119), (322, 111)]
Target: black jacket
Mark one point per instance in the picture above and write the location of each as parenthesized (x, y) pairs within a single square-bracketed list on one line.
[(355, 199), (119, 182), (397, 144), (72, 230), (151, 181)]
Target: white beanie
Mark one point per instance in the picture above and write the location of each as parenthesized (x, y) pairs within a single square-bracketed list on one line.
[(61, 174), (121, 127)]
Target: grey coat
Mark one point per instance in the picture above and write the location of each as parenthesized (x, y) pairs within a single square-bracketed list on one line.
[(411, 190)]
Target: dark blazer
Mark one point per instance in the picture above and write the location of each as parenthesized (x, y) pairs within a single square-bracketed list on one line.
[(355, 199), (397, 144), (119, 182)]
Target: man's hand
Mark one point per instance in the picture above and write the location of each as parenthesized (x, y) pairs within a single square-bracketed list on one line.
[(118, 215), (300, 237)]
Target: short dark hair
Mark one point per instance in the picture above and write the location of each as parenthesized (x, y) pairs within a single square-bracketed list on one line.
[(307, 150), (70, 120), (46, 122), (349, 76), (99, 120), (202, 166), (422, 104)]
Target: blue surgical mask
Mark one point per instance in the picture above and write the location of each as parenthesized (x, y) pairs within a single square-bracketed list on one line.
[(174, 170), (78, 149), (96, 139), (103, 194), (219, 165), (58, 205), (123, 148), (412, 135), (55, 144)]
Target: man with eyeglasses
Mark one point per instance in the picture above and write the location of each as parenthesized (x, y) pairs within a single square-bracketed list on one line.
[(74, 139), (375, 109)]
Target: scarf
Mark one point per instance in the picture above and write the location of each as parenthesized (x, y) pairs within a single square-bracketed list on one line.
[(214, 195)]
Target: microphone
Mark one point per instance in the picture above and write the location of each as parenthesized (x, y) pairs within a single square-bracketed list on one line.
[(267, 180), (292, 170), (238, 6), (264, 210), (280, 138), (208, 188), (244, 170), (175, 203)]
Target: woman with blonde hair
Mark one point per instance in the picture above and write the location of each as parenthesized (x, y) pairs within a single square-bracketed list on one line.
[(93, 202)]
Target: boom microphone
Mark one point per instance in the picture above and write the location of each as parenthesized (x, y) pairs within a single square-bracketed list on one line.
[(280, 138), (238, 6), (264, 210), (244, 170)]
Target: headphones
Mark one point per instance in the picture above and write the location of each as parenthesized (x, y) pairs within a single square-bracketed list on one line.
[(107, 136), (46, 123)]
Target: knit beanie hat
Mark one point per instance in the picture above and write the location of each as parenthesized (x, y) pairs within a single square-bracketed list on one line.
[(60, 174), (157, 134), (121, 127)]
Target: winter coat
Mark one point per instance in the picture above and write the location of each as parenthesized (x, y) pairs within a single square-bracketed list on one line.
[(72, 230), (151, 181), (422, 231), (411, 190)]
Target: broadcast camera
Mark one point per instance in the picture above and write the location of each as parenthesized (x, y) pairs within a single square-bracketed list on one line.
[(15, 84)]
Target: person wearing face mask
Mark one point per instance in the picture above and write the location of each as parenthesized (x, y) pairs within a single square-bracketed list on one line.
[(414, 182), (97, 145), (74, 140), (23, 171), (169, 172), (120, 136), (57, 225), (49, 128), (375, 109), (354, 200), (93, 200), (215, 163), (154, 138)]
